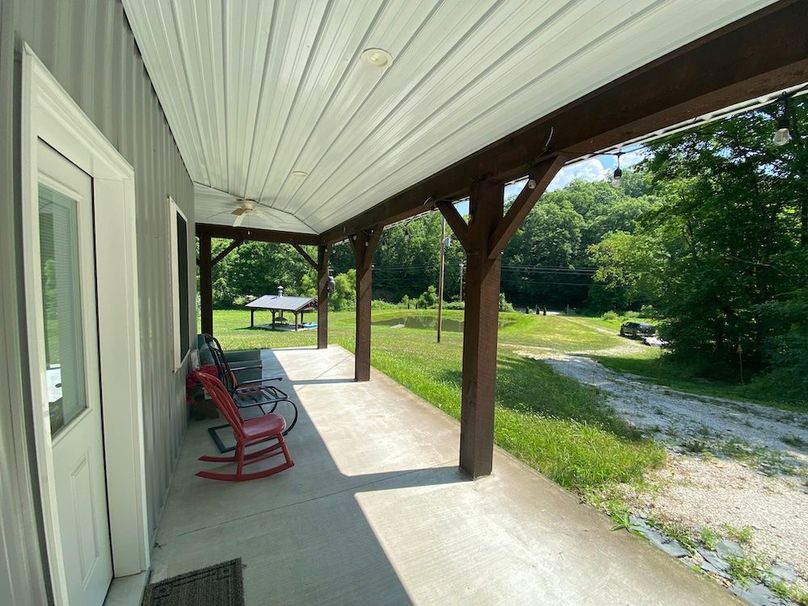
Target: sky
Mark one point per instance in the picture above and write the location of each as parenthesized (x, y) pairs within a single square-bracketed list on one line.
[(598, 168)]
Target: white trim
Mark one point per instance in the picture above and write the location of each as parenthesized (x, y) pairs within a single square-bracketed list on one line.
[(173, 257), (48, 113)]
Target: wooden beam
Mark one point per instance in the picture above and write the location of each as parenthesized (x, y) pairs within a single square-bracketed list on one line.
[(761, 53), (256, 235), (305, 255), (480, 332), (323, 254), (230, 248), (455, 221), (538, 180), (364, 245), (205, 283)]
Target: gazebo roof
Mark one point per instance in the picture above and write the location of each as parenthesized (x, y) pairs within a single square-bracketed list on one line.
[(281, 303)]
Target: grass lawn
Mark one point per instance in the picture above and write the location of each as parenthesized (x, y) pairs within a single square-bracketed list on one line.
[(551, 422)]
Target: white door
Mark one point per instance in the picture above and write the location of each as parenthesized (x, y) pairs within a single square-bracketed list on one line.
[(68, 324)]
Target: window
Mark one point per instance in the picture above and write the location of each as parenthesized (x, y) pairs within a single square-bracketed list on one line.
[(179, 280)]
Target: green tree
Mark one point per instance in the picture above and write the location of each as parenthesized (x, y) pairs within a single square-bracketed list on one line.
[(730, 222), (344, 294), (628, 270)]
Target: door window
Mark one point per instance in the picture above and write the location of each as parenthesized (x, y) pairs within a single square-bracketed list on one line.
[(61, 303)]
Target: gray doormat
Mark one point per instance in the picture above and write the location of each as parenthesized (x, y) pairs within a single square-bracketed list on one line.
[(218, 585)]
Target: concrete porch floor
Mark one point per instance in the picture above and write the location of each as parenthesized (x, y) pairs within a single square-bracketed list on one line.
[(375, 512)]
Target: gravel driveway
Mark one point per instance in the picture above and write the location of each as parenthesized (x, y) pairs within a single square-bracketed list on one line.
[(730, 463)]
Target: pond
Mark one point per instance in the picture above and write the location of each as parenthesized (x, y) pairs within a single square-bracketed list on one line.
[(429, 322)]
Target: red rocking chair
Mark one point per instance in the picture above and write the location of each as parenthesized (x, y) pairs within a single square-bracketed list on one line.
[(247, 433)]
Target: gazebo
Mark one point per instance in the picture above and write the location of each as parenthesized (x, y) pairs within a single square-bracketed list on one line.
[(278, 303)]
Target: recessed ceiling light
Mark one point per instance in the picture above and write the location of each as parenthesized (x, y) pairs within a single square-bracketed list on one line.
[(299, 173), (377, 57)]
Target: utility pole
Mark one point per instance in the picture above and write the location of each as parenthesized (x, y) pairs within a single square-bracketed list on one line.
[(443, 243)]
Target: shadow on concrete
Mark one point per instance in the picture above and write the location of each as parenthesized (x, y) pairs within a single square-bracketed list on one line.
[(302, 534)]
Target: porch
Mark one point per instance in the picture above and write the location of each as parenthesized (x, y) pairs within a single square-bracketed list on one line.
[(377, 511)]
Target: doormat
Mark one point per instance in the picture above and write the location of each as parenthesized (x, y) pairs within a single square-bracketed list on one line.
[(218, 585)]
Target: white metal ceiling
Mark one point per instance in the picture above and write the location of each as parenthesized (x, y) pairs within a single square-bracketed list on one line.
[(255, 90)]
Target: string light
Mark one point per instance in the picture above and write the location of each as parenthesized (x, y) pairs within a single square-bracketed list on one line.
[(617, 177), (782, 135)]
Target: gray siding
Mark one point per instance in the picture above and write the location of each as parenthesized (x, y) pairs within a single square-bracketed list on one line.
[(88, 46)]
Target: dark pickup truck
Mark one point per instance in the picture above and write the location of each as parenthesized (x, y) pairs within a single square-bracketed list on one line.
[(637, 330)]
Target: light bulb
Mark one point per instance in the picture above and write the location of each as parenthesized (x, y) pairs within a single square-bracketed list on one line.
[(781, 136), (617, 179)]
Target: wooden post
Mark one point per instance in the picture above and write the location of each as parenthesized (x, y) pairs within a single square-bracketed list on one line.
[(252, 317), (484, 238), (205, 283), (323, 253), (364, 245), (480, 332), (441, 261)]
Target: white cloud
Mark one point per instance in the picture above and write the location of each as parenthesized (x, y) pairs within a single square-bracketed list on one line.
[(588, 170), (633, 157)]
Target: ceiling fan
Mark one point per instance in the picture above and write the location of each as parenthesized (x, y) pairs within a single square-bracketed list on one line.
[(248, 207)]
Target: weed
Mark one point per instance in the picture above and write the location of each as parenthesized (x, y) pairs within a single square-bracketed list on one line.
[(622, 520), (676, 531), (742, 535), (740, 451), (747, 568), (695, 446), (789, 591), (709, 538), (697, 569)]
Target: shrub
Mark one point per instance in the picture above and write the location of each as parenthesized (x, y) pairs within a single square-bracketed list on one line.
[(242, 300), (428, 299), (503, 303), (610, 316), (456, 305)]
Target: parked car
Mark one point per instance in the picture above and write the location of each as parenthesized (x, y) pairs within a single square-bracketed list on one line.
[(637, 330)]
